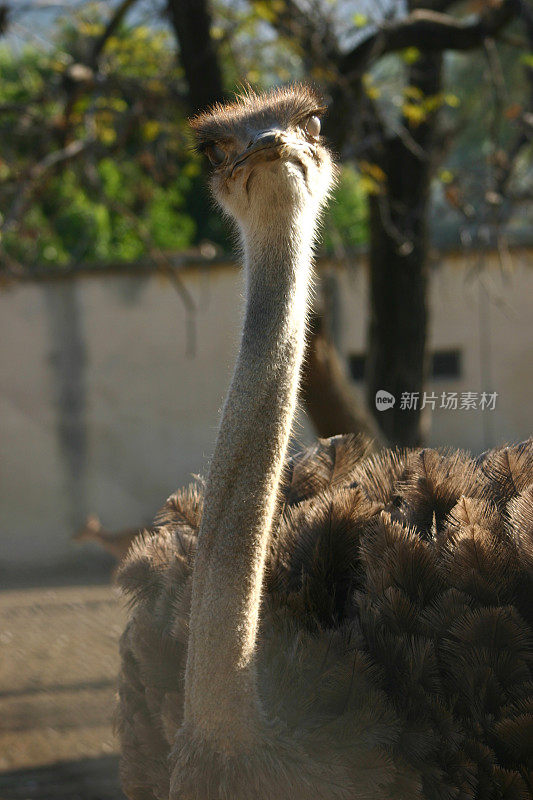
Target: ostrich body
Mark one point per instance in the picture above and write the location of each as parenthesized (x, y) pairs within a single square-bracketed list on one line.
[(339, 625)]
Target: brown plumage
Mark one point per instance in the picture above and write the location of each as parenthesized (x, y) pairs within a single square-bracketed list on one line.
[(397, 611)]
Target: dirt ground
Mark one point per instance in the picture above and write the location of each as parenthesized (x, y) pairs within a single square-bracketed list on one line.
[(58, 675)]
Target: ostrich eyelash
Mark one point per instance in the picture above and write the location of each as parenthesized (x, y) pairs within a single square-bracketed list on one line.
[(202, 147)]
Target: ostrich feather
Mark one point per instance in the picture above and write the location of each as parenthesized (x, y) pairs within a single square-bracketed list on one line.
[(507, 472), (433, 484), (327, 464), (520, 514), (182, 509), (379, 475)]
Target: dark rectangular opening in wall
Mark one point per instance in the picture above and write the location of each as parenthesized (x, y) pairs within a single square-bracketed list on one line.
[(446, 364), (356, 366)]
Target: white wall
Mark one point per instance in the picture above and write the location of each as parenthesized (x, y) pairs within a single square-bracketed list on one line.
[(148, 412), (102, 410), (488, 316)]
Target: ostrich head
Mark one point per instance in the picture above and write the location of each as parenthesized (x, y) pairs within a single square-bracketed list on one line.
[(267, 155)]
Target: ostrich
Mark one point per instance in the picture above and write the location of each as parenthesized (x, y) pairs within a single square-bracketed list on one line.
[(341, 624), (116, 543)]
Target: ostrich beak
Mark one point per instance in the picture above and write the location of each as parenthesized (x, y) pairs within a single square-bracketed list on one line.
[(265, 140)]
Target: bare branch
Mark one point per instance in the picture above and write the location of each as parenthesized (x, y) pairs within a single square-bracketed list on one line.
[(430, 31), (37, 172), (434, 5), (4, 18), (117, 17), (330, 400)]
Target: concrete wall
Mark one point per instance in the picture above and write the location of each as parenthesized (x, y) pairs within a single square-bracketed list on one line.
[(486, 314), (103, 410)]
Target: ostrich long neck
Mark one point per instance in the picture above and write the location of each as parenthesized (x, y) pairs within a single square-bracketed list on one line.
[(220, 689)]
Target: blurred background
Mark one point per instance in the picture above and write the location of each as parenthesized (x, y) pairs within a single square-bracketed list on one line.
[(120, 295)]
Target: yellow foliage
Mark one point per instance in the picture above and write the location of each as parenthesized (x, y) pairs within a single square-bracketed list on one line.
[(360, 20), (413, 92), (150, 130), (57, 65), (191, 169), (269, 10), (417, 107), (369, 185), (107, 135), (433, 102), (416, 114), (373, 170), (113, 43), (91, 28), (117, 104), (452, 100), (411, 55), (371, 90), (446, 176), (141, 33)]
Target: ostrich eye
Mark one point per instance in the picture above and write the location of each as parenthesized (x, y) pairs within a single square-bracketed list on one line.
[(312, 127), (215, 154)]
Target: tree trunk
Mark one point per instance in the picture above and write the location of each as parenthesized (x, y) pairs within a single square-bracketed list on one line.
[(191, 20), (330, 400), (399, 243)]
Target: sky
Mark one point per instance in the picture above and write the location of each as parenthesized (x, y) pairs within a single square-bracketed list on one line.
[(33, 20)]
